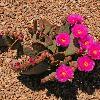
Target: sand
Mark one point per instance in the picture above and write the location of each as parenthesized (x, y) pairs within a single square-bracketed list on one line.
[(15, 15)]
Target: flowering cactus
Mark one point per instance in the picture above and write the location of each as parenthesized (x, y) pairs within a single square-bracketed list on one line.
[(61, 50)]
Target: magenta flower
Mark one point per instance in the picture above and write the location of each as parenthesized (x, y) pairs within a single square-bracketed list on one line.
[(86, 42), (63, 39), (64, 73), (74, 18), (94, 51), (85, 63), (79, 31)]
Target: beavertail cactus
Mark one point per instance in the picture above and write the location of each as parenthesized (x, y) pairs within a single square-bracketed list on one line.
[(61, 50)]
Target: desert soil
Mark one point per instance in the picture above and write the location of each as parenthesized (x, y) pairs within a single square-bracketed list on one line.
[(15, 15)]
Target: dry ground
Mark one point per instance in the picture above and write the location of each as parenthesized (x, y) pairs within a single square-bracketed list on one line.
[(16, 14)]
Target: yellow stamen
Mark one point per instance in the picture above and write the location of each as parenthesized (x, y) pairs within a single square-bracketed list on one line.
[(95, 52), (63, 40), (86, 64), (63, 74), (86, 43), (79, 32)]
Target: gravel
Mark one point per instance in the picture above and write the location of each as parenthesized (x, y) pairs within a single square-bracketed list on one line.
[(15, 15)]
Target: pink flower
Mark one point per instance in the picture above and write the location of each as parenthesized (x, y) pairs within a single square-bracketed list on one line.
[(94, 51), (64, 73), (85, 63), (74, 18), (63, 39), (79, 31), (86, 42)]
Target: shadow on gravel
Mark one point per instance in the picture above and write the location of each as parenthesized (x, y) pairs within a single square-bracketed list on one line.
[(87, 82)]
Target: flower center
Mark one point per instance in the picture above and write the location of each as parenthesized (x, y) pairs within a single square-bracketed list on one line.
[(95, 52), (79, 32), (86, 64), (64, 74), (86, 43), (63, 39), (73, 20)]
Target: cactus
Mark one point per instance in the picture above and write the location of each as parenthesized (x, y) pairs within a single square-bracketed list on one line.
[(72, 49), (48, 52)]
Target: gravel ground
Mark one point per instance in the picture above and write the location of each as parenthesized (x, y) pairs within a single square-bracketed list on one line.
[(15, 15)]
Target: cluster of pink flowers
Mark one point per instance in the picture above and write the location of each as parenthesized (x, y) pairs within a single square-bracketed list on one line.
[(86, 41)]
